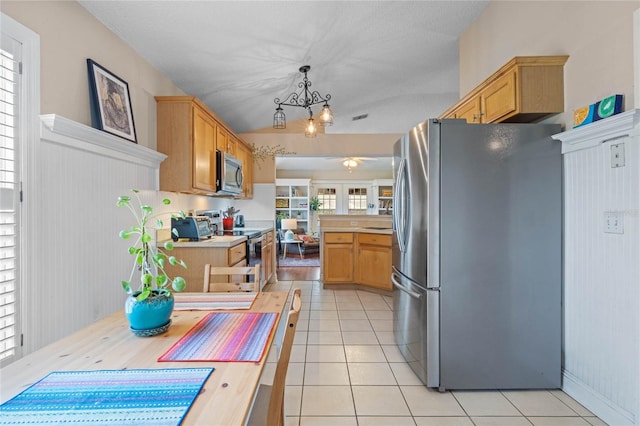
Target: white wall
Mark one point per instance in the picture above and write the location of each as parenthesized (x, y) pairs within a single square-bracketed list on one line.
[(69, 36), (597, 36), (76, 258), (262, 206), (601, 367), (344, 145), (342, 174)]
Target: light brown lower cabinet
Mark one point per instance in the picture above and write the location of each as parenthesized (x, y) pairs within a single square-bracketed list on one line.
[(337, 257), (373, 265), (197, 257), (357, 258)]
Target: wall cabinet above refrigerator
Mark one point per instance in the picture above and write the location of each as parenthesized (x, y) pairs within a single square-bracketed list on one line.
[(524, 90)]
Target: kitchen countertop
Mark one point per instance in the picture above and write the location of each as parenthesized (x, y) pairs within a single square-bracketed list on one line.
[(220, 240), (363, 230), (215, 241)]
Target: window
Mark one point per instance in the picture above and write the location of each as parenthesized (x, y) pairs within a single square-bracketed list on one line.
[(357, 201), (9, 188), (343, 197), (327, 199), (19, 134)]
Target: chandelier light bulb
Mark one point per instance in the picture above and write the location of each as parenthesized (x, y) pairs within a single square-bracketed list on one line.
[(326, 116), (310, 131)]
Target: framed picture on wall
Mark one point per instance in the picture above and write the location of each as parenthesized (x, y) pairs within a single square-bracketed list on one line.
[(110, 102)]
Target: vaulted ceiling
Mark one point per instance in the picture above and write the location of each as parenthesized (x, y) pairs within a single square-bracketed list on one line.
[(396, 61)]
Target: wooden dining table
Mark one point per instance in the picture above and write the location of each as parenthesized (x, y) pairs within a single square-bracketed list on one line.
[(108, 344)]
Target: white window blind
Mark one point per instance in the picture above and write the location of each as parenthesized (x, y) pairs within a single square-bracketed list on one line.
[(8, 201)]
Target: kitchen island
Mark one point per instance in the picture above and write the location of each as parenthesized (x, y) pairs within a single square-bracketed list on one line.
[(356, 252)]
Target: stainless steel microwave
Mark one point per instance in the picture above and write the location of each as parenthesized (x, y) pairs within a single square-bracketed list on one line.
[(229, 174)]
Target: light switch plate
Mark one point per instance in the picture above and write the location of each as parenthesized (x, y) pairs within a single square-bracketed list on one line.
[(617, 155), (614, 222)]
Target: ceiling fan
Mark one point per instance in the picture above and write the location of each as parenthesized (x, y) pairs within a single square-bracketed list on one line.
[(352, 162)]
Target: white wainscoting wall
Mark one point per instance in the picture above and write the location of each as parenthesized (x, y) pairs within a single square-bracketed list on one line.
[(74, 258), (601, 367)]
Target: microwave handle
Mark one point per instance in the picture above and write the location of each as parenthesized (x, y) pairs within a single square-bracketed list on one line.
[(213, 160), (241, 173)]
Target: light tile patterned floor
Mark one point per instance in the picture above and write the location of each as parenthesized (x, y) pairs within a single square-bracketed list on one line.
[(346, 370)]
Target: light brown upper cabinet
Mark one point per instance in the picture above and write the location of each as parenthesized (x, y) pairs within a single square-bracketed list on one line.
[(224, 141), (469, 110), (245, 155), (525, 89), (189, 134), (186, 134)]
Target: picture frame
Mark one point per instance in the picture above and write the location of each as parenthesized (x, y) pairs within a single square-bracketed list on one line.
[(282, 203), (110, 102)]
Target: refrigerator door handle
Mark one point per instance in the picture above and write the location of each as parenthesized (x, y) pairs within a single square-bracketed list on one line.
[(399, 286), (399, 204)]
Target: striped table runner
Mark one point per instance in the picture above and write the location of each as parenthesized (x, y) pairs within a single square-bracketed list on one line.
[(107, 397), (212, 301), (225, 336)]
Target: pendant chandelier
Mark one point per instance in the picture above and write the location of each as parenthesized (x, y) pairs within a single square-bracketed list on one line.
[(305, 98)]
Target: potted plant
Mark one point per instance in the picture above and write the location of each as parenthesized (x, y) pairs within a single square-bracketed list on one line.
[(227, 220), (314, 204), (149, 307), (279, 217)]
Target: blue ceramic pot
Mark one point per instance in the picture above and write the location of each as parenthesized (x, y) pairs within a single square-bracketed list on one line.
[(151, 315)]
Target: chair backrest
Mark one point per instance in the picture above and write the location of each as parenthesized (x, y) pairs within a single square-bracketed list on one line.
[(275, 414), (231, 278)]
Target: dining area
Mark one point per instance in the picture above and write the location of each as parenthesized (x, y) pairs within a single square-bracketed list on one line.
[(206, 368)]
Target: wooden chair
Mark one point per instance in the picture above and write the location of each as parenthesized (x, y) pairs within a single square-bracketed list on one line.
[(231, 278), (268, 407)]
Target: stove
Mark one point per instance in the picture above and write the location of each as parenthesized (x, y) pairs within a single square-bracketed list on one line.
[(250, 234)]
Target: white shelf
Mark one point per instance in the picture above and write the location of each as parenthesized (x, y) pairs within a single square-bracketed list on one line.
[(383, 190), (292, 199)]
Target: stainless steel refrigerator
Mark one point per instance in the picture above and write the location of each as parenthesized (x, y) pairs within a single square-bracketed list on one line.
[(477, 254)]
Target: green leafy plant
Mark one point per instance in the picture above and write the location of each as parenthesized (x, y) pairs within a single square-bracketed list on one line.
[(149, 259), (314, 203)]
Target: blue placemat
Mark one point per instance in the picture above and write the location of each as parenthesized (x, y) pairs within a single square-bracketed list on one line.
[(107, 397)]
